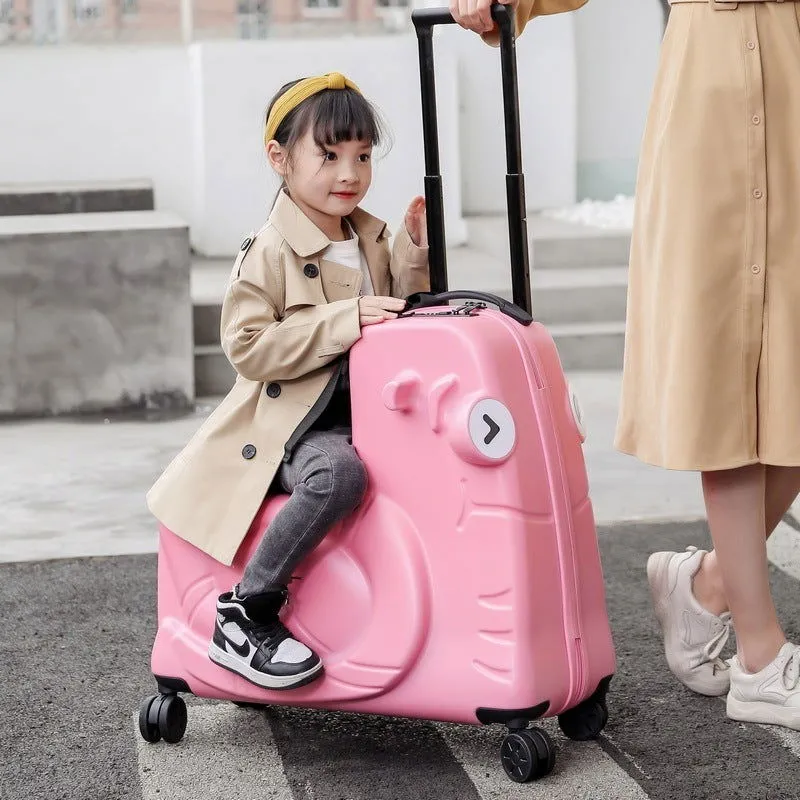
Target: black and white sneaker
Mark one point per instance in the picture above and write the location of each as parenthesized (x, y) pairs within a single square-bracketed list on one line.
[(250, 640)]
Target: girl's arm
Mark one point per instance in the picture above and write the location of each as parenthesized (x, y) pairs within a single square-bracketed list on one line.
[(409, 266), (264, 347)]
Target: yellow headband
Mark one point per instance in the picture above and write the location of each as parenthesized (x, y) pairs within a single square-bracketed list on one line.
[(302, 90)]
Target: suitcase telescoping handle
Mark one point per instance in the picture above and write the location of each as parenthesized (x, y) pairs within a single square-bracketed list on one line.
[(424, 20)]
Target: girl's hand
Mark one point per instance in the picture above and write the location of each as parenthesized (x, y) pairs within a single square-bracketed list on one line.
[(372, 309), (417, 222), (475, 15)]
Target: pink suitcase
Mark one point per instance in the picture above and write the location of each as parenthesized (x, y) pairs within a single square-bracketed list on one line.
[(468, 586)]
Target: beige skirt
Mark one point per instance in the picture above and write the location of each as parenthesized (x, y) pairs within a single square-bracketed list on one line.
[(711, 377)]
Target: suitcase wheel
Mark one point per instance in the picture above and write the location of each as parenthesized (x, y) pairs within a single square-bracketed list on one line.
[(527, 754), (162, 716), (585, 721)]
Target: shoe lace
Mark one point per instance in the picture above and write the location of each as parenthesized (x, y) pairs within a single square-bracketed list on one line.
[(272, 630), (715, 646), (791, 672)]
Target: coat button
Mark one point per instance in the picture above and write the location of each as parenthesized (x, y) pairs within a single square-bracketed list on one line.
[(246, 243), (248, 451), (273, 390), (311, 270)]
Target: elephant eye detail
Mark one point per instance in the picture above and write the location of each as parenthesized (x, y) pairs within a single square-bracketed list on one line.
[(492, 429)]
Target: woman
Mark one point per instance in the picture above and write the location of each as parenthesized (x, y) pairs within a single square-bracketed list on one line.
[(710, 380)]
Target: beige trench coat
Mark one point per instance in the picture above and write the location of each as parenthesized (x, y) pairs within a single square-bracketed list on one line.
[(287, 318), (712, 357)]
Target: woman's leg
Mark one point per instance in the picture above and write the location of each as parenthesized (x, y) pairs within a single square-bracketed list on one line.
[(735, 503), (782, 485), (689, 597)]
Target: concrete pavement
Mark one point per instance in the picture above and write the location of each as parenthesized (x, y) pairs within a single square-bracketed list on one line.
[(75, 646)]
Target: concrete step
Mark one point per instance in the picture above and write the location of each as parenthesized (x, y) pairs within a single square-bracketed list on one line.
[(579, 296), (75, 198), (102, 321), (206, 323), (213, 373), (597, 346), (559, 296), (553, 243)]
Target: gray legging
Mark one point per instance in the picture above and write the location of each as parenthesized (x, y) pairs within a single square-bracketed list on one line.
[(327, 481)]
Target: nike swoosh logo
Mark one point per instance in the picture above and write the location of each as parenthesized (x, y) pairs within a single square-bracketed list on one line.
[(242, 649)]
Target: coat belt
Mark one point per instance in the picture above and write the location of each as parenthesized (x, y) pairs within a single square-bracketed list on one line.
[(728, 5)]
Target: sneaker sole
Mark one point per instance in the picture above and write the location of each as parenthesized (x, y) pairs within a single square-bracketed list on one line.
[(657, 576), (276, 682), (762, 713)]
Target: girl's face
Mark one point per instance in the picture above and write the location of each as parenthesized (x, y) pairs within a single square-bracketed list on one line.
[(326, 182)]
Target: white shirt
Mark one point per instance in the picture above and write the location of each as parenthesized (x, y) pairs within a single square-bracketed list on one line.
[(348, 254)]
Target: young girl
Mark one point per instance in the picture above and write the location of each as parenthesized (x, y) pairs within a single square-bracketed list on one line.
[(300, 292), (711, 380)]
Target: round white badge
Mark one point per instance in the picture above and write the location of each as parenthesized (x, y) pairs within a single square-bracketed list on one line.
[(491, 428)]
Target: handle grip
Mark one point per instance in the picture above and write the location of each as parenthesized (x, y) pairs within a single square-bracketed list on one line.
[(426, 300), (429, 17)]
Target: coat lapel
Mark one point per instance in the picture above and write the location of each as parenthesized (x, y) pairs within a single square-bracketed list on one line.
[(371, 233), (308, 241), (300, 233)]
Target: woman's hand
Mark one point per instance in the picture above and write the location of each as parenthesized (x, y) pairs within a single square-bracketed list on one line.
[(476, 15), (417, 222)]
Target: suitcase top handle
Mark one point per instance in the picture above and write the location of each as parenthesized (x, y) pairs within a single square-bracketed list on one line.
[(424, 20)]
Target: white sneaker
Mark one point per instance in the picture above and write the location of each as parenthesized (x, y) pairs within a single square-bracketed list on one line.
[(693, 636), (772, 696)]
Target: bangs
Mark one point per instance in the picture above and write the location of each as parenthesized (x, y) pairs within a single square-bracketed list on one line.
[(342, 115), (331, 116)]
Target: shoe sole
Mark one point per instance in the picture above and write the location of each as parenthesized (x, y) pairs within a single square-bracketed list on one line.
[(762, 713), (657, 576), (275, 682)]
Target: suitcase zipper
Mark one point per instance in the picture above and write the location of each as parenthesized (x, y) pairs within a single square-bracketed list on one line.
[(562, 515), (573, 634)]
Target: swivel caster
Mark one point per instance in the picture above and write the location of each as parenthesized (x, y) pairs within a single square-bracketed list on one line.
[(162, 716), (585, 721), (527, 754)]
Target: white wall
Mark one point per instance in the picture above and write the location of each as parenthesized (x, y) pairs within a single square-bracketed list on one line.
[(97, 114), (190, 120), (617, 47), (547, 87)]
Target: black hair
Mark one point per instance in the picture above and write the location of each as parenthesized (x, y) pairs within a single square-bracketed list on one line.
[(333, 115)]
